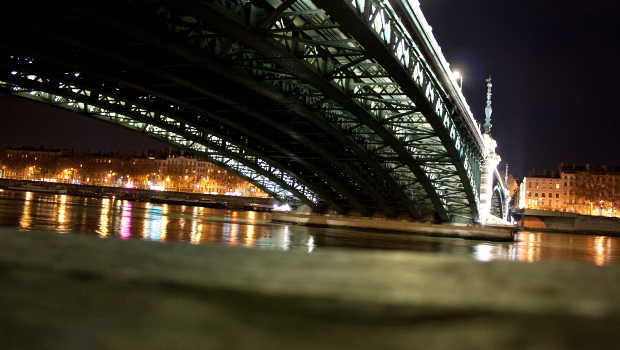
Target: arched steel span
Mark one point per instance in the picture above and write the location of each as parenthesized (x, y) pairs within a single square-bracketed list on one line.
[(70, 96), (357, 123)]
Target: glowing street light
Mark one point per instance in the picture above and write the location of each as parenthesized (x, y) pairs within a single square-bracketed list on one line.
[(458, 78)]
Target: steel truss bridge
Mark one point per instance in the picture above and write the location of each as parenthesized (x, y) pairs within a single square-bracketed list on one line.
[(342, 105)]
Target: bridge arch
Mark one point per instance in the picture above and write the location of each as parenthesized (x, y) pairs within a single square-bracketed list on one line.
[(109, 109), (498, 202), (356, 123)]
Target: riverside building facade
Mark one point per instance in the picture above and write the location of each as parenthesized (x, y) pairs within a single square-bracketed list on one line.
[(584, 190), (175, 172)]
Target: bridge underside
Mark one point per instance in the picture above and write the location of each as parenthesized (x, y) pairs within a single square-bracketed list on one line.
[(274, 91)]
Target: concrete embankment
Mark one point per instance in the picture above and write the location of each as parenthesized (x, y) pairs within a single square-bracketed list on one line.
[(401, 226), (169, 197), (549, 221), (74, 292)]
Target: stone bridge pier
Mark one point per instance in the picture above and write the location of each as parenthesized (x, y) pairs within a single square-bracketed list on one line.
[(494, 194)]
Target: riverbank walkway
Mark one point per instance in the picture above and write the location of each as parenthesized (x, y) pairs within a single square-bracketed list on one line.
[(81, 292)]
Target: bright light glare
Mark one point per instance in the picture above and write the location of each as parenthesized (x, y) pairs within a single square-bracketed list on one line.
[(157, 187), (283, 207), (458, 78)]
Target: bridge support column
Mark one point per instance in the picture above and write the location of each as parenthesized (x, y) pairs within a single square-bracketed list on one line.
[(491, 160)]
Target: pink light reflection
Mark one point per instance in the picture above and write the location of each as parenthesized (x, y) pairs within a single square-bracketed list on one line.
[(126, 220)]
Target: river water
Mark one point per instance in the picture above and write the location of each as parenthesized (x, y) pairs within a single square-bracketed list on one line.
[(110, 218)]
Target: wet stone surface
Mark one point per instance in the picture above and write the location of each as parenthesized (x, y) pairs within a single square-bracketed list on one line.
[(79, 292)]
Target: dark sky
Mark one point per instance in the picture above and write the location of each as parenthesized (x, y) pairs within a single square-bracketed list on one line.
[(27, 123), (555, 66)]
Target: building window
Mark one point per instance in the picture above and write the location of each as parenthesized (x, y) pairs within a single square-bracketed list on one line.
[(543, 195), (536, 195), (557, 195)]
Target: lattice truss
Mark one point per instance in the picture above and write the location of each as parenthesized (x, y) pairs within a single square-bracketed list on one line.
[(353, 92), (168, 124)]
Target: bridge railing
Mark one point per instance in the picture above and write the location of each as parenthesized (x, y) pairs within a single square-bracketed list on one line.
[(425, 32)]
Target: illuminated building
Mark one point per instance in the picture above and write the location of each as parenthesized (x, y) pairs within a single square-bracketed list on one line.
[(170, 173), (540, 192), (582, 190)]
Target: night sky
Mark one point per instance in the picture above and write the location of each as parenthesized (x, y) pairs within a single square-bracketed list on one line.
[(32, 124), (555, 66)]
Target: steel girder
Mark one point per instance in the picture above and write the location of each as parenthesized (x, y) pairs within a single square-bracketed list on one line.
[(429, 144), (377, 180), (73, 45), (376, 26), (176, 113), (184, 119), (200, 61), (165, 127), (262, 56)]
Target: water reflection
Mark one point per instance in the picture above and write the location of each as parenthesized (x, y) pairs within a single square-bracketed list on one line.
[(26, 219), (529, 248), (104, 218), (230, 232), (125, 229), (163, 228), (535, 246), (249, 236), (61, 215), (196, 234), (602, 247), (285, 241), (154, 225), (310, 244), (484, 252), (108, 217)]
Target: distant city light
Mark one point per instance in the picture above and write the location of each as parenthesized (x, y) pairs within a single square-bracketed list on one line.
[(177, 174), (157, 187)]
